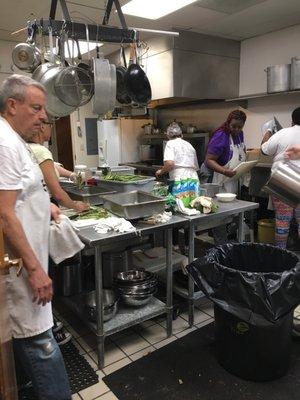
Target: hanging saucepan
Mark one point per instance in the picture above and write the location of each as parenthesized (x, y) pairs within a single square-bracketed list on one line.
[(122, 95), (26, 56), (136, 82)]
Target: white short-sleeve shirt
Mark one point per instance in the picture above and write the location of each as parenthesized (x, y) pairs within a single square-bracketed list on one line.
[(182, 153), (279, 142)]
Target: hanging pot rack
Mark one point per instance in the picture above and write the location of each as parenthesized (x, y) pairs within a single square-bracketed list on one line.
[(97, 32)]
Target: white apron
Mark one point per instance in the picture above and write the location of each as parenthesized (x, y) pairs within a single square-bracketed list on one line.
[(33, 210), (238, 155)]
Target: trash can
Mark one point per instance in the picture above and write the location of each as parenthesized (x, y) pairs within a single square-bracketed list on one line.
[(255, 288)]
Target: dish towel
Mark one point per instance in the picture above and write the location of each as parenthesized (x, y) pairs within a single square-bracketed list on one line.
[(63, 241), (184, 210), (114, 224)]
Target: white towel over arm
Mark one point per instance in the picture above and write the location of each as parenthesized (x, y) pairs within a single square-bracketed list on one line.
[(64, 242)]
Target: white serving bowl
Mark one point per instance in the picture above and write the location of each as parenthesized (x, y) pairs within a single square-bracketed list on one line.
[(225, 197)]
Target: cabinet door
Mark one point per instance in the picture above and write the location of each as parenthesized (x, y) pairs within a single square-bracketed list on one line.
[(8, 386)]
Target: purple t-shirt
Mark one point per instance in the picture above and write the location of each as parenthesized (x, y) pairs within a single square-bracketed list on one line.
[(219, 145)]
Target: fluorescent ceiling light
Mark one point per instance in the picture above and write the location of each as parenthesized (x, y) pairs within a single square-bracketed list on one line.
[(154, 9), (83, 46)]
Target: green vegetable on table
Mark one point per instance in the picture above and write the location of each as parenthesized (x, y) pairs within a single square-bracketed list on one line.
[(122, 178), (92, 213)]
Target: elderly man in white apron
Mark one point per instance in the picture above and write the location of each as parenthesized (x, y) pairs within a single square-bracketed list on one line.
[(25, 215)]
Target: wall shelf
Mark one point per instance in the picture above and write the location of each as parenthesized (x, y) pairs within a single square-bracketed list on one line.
[(243, 100)]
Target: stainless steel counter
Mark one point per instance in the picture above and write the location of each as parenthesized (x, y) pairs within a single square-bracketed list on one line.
[(105, 242), (127, 316)]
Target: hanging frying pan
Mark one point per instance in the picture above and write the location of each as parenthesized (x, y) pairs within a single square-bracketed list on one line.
[(136, 82), (122, 95)]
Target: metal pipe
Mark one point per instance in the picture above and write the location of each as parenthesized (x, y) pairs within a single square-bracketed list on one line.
[(170, 33), (99, 306), (190, 281), (169, 265)]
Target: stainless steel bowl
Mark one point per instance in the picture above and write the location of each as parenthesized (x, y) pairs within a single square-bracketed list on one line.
[(137, 300), (110, 304), (131, 277)]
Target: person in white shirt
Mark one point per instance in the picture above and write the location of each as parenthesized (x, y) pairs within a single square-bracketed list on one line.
[(25, 219), (278, 145), (180, 161)]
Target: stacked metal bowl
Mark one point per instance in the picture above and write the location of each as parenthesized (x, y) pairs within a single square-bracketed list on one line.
[(136, 287), (110, 304)]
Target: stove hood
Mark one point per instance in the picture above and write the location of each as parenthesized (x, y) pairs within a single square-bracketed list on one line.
[(192, 67)]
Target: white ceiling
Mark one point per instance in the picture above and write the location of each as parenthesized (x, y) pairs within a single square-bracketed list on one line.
[(235, 19)]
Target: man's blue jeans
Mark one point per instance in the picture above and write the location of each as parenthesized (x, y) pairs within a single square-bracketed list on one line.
[(42, 361)]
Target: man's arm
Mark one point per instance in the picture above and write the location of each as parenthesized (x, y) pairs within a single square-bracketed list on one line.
[(13, 231)]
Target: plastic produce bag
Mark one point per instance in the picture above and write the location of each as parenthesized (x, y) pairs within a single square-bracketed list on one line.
[(257, 283)]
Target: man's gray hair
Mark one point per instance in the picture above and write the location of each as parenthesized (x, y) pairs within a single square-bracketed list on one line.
[(14, 87)]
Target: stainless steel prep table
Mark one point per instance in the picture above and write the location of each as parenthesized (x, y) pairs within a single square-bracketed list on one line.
[(126, 316), (208, 221)]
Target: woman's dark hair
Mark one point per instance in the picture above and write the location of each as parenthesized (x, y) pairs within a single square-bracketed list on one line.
[(296, 116), (235, 114)]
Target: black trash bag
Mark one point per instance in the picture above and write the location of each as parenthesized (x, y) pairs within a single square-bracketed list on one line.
[(257, 283)]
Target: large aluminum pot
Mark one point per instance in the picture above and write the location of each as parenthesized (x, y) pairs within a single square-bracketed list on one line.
[(295, 73), (278, 78), (285, 183)]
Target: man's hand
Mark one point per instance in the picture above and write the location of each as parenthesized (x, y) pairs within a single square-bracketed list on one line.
[(55, 213), (229, 172), (41, 286), (80, 206), (293, 153)]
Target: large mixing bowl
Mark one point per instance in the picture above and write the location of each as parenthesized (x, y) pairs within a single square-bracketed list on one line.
[(110, 304), (137, 300)]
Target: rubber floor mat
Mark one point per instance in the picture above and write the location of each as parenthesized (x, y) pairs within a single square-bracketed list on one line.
[(187, 369), (81, 374)]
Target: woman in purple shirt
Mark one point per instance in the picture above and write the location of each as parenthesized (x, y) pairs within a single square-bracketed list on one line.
[(226, 149)]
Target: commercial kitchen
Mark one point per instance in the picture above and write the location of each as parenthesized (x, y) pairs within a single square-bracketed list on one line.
[(171, 135)]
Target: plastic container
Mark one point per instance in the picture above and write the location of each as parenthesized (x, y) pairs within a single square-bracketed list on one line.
[(266, 231)]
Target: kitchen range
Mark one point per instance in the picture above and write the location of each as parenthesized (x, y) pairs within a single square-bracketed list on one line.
[(174, 240)]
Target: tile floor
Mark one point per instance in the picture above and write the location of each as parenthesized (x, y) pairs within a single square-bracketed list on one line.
[(126, 346)]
